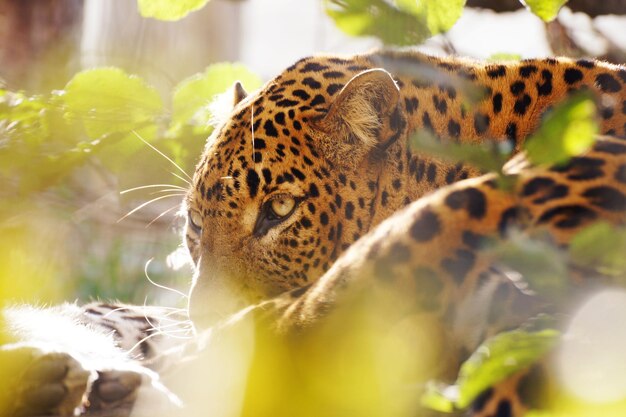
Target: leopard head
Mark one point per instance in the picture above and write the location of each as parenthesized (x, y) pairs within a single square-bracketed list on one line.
[(286, 184)]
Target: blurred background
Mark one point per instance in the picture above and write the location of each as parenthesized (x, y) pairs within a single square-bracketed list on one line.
[(63, 230)]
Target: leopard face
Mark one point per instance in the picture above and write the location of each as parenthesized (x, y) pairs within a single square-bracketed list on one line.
[(281, 191)]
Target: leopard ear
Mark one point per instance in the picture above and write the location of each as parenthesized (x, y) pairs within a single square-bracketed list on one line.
[(238, 93), (358, 111), (223, 104)]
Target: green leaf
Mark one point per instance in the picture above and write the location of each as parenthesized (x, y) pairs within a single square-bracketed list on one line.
[(442, 15), (500, 357), (547, 10), (440, 397), (37, 149), (399, 22), (117, 150), (493, 361), (169, 10), (193, 95), (24, 117), (108, 100), (601, 246), (488, 157), (543, 266), (568, 130)]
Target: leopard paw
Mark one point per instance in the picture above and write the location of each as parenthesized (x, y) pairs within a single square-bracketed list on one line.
[(35, 382), (117, 392), (114, 389)]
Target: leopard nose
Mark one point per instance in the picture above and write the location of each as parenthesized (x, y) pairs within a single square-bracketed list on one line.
[(208, 307), (212, 298)]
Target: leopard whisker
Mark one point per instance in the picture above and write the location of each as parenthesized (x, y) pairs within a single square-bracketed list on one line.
[(173, 335), (162, 154), (179, 327), (175, 291), (169, 190), (150, 336), (173, 309), (184, 326), (176, 310), (136, 209), (159, 328), (143, 187), (181, 178), (161, 215)]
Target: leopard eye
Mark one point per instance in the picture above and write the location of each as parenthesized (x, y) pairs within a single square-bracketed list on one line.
[(282, 206), (194, 220), (274, 211)]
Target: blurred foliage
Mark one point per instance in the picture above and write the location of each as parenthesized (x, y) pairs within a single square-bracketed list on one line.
[(368, 359), (65, 156), (545, 9), (496, 359), (410, 22), (192, 97), (397, 22), (31, 275), (543, 266), (567, 130), (169, 10), (488, 157), (601, 247), (107, 100)]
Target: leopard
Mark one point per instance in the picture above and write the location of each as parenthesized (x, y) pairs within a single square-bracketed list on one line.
[(311, 188), (301, 170)]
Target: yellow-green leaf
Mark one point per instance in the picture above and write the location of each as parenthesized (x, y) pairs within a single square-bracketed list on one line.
[(500, 357), (399, 22), (489, 156), (169, 10), (601, 246), (493, 361), (547, 10), (568, 130), (108, 100), (440, 397), (542, 265), (442, 15)]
